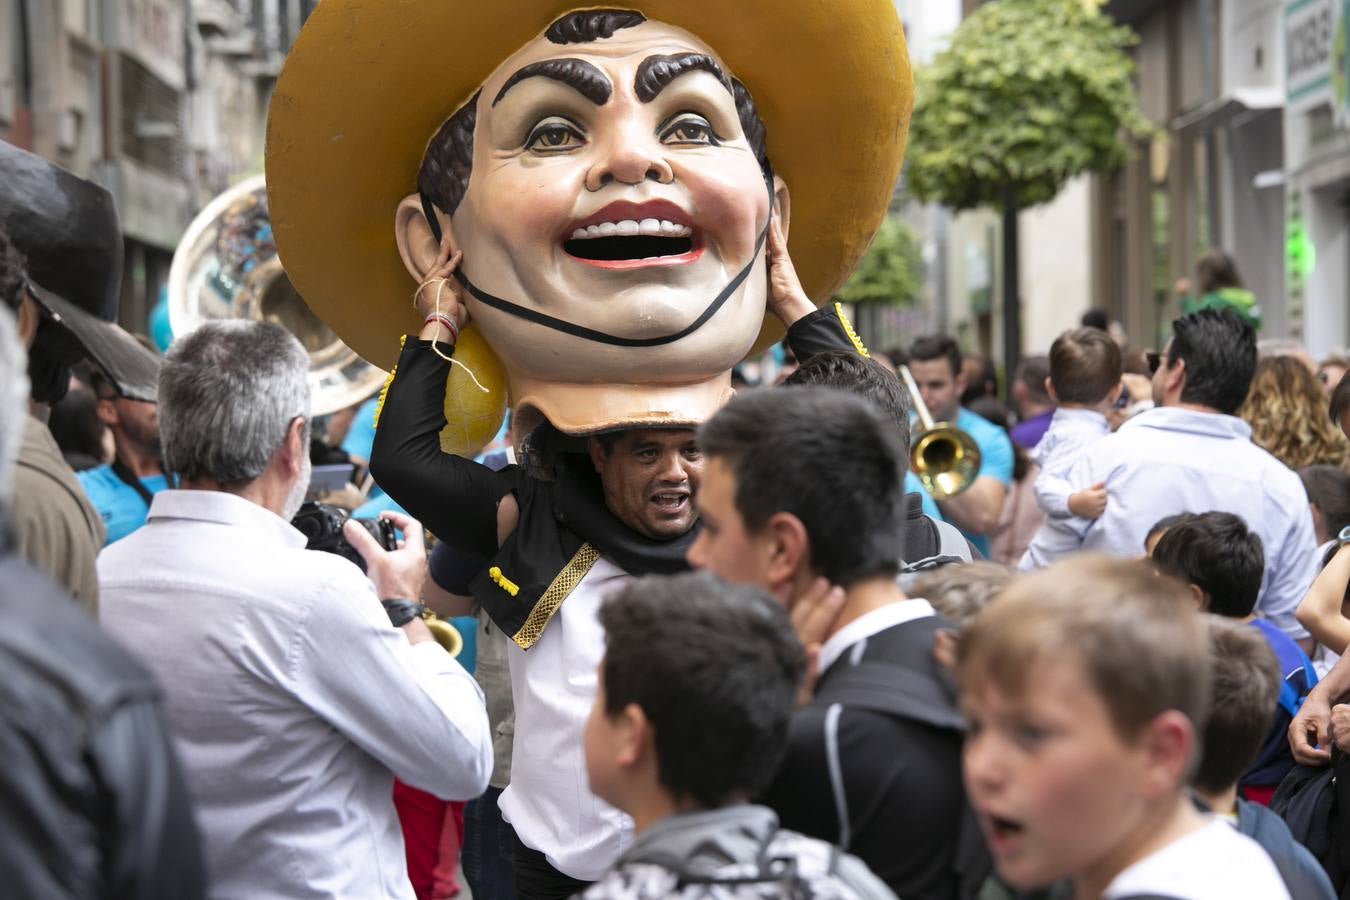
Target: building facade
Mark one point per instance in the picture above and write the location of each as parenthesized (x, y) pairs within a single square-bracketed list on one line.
[(161, 101)]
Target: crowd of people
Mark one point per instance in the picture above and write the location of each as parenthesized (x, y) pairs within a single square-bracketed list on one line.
[(1091, 649), (847, 697)]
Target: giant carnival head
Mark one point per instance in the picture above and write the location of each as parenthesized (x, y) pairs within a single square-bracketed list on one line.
[(608, 174)]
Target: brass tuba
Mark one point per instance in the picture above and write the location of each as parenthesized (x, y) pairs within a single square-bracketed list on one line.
[(226, 267), (945, 458)]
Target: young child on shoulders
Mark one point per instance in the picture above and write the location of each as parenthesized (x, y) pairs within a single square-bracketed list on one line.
[(1245, 684), (696, 691), (1085, 368), (1221, 561), (1085, 688)]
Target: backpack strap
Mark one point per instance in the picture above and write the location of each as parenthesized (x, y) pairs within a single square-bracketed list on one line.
[(1290, 699), (951, 541)]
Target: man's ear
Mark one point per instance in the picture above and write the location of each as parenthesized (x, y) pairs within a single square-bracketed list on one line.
[(782, 207), (960, 382), (596, 451), (1050, 391), (1200, 597), (106, 410), (416, 244), (635, 736), (1168, 742), (1176, 377), (297, 448), (788, 547), (1112, 397)]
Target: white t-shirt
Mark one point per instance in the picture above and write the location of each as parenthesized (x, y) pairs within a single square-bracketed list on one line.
[(1214, 863), (549, 801)]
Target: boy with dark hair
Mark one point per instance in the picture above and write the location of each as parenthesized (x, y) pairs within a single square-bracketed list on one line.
[(926, 540), (1221, 562), (1085, 367), (1245, 682), (1085, 688), (801, 495), (695, 695)]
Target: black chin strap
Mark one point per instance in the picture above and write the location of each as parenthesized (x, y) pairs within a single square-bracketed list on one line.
[(602, 337)]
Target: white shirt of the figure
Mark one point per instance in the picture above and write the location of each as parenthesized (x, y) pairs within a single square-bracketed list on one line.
[(549, 801)]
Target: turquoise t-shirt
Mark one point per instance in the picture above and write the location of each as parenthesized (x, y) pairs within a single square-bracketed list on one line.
[(119, 504), (914, 486), (996, 457)]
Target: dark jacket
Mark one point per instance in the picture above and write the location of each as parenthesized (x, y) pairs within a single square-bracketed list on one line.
[(92, 800), (1302, 873)]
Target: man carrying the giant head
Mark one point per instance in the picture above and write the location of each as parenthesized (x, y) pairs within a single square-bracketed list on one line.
[(591, 212)]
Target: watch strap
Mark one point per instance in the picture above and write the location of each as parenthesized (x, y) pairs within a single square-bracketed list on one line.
[(401, 612)]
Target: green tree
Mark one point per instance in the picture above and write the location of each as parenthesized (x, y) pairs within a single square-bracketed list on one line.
[(890, 270), (1029, 94)]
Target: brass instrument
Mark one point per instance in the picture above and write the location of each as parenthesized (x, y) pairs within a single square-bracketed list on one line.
[(945, 458), (226, 267), (445, 634)]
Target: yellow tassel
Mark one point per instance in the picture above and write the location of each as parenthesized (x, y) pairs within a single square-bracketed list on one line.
[(848, 330), (388, 380), (506, 584)]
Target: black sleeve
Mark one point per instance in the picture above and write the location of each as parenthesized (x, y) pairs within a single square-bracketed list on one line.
[(455, 498), (452, 569), (823, 330)]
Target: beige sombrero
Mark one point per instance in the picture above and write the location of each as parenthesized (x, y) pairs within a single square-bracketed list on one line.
[(367, 84)]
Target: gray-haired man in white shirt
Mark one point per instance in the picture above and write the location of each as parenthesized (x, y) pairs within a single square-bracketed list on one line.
[(293, 699)]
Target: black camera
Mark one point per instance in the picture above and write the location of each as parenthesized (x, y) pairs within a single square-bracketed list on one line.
[(321, 524)]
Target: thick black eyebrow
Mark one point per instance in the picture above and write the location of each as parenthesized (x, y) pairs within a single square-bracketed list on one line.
[(656, 72), (577, 74)]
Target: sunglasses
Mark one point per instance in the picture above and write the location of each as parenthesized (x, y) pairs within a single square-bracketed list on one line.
[(1154, 359)]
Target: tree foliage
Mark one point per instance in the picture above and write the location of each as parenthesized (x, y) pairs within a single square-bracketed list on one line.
[(890, 271), (1029, 94)]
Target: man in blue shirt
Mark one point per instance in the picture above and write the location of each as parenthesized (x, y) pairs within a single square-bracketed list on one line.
[(935, 363), (121, 490)]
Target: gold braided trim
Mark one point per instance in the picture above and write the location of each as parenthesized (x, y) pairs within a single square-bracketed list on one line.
[(384, 391), (848, 330), (553, 598)]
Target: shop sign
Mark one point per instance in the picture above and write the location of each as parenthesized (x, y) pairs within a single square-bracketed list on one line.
[(1312, 38)]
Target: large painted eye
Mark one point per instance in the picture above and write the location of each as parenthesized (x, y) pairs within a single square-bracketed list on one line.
[(554, 136), (688, 128)]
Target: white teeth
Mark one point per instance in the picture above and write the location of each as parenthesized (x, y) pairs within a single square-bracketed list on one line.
[(630, 227)]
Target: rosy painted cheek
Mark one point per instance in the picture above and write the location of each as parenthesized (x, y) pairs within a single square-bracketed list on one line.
[(731, 204)]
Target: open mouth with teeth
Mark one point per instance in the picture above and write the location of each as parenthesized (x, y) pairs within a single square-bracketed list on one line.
[(670, 501), (627, 235)]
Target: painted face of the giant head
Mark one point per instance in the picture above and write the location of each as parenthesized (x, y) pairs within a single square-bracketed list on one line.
[(612, 223)]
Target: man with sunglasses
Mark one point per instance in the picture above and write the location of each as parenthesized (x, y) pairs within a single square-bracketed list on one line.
[(121, 490), (1192, 454)]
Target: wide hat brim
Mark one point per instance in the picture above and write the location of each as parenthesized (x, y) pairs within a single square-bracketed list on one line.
[(366, 85)]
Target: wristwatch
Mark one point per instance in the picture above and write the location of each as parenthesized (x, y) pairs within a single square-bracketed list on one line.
[(401, 612)]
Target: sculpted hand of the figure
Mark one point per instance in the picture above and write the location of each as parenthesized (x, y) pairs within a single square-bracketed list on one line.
[(441, 293), (787, 299)]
